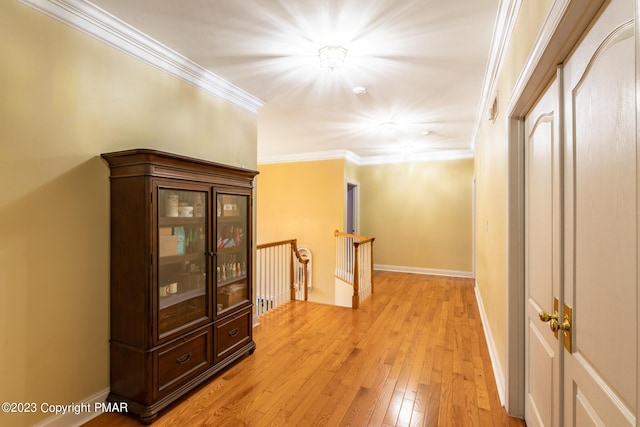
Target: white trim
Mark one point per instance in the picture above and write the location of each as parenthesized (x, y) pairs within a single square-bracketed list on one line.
[(498, 372), (71, 419), (99, 24), (515, 265), (418, 157), (356, 205), (369, 160), (549, 28), (310, 157), (505, 21), (419, 270)]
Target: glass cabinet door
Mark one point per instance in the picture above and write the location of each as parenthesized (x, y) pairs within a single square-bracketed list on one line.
[(232, 261), (182, 264)]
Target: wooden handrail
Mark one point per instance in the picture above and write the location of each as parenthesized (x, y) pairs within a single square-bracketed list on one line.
[(355, 299), (305, 278), (357, 240), (269, 245), (355, 236), (292, 243)]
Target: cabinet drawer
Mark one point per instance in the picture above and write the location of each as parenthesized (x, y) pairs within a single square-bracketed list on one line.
[(179, 361), (231, 334)]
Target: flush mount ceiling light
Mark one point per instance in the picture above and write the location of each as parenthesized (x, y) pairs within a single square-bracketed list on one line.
[(332, 56), (359, 90), (388, 126)]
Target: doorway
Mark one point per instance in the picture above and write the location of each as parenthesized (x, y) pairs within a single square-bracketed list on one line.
[(573, 228), (351, 225)]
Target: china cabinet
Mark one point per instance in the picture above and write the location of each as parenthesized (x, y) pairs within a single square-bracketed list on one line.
[(181, 256)]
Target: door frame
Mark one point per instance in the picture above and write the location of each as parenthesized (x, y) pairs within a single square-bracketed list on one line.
[(565, 24), (355, 206)]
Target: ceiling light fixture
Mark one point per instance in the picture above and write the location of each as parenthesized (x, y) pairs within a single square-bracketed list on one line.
[(359, 90), (388, 126), (332, 56)]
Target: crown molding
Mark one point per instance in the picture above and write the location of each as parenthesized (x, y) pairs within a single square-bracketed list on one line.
[(427, 156), (91, 20), (367, 160), (503, 28), (310, 157)]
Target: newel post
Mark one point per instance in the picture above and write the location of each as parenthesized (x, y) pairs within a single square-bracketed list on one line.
[(292, 289), (371, 262), (305, 273), (355, 301)]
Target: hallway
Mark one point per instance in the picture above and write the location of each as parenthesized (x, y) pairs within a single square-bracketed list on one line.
[(413, 354)]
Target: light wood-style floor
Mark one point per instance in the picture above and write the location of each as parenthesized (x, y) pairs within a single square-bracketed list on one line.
[(413, 354)]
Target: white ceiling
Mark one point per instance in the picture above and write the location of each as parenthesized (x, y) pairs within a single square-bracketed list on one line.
[(422, 62)]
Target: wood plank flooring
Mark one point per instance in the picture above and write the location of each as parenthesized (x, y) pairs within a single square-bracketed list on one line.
[(414, 354)]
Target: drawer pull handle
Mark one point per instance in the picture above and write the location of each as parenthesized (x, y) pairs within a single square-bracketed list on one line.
[(234, 332), (183, 359)]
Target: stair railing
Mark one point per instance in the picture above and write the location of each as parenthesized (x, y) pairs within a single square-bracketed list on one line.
[(276, 281), (354, 264)]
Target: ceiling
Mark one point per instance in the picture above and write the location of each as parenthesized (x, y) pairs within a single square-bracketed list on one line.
[(422, 63)]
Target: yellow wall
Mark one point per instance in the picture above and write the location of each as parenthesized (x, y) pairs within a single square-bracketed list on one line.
[(491, 178), (304, 201), (420, 213), (64, 99)]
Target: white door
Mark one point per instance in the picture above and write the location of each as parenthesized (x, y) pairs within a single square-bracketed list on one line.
[(601, 233), (542, 264), (582, 235)]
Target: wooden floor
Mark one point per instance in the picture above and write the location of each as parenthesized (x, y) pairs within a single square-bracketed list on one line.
[(413, 354)]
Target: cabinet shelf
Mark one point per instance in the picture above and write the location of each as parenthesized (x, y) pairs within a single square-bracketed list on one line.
[(174, 299), (177, 221), (227, 282), (231, 250), (175, 259), (229, 219)]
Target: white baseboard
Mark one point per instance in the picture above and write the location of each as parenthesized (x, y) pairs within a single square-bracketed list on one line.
[(498, 373), (85, 410), (419, 270)]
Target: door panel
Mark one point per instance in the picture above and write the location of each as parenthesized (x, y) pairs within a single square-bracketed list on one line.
[(542, 378), (600, 281), (542, 222)]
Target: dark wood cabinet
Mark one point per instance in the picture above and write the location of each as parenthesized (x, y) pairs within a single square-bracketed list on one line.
[(181, 286)]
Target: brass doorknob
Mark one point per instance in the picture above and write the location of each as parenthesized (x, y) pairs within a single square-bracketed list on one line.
[(551, 318), (566, 324), (546, 317)]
